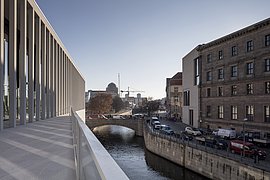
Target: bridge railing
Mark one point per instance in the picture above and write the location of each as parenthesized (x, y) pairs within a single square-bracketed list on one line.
[(92, 160)]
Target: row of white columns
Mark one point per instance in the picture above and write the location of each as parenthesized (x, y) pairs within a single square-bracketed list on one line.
[(49, 69)]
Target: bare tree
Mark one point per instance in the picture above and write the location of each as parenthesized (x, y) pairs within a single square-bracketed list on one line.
[(100, 104)]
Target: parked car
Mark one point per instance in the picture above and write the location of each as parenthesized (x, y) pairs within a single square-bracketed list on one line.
[(193, 131), (221, 144), (153, 120), (166, 129), (138, 115), (156, 125), (205, 131), (118, 117), (185, 136), (249, 149)]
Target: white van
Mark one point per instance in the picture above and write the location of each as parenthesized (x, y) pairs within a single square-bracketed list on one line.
[(226, 133)]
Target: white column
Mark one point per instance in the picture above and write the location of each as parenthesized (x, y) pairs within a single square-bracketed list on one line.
[(2, 59), (31, 64), (51, 76), (22, 60), (68, 82), (48, 76), (61, 81), (55, 78), (57, 81), (43, 72), (65, 70), (38, 59), (12, 54)]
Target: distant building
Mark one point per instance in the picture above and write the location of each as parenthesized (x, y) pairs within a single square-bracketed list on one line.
[(111, 89), (174, 96), (138, 101)]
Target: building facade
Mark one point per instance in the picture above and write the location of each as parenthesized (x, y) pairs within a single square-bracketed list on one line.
[(174, 96), (191, 81), (235, 80), (38, 78)]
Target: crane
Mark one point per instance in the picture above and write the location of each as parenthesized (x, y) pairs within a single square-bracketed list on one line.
[(128, 91)]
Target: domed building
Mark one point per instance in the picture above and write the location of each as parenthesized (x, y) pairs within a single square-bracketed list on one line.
[(111, 88)]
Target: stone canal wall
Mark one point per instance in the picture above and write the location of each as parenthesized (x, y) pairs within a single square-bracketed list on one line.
[(210, 165)]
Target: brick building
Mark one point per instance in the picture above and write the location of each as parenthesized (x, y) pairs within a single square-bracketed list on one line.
[(235, 79)]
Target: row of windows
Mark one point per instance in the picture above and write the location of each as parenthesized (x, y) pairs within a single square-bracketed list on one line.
[(234, 49), (249, 89), (234, 70), (249, 114)]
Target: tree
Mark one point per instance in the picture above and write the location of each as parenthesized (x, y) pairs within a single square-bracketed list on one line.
[(152, 106), (117, 104), (100, 104)]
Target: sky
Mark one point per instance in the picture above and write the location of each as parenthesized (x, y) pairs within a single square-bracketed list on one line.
[(143, 40)]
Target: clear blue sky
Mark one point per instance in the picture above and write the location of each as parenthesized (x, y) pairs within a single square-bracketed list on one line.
[(143, 40)]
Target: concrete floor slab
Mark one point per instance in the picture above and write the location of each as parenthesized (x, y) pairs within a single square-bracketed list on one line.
[(39, 150)]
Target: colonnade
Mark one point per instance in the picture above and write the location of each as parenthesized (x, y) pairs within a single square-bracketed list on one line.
[(38, 79)]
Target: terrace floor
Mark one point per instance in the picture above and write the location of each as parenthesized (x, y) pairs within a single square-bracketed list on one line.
[(39, 150)]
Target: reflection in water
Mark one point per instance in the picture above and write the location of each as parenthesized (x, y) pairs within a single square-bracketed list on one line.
[(137, 162)]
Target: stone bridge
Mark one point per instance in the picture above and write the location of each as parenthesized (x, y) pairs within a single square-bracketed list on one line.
[(134, 124)]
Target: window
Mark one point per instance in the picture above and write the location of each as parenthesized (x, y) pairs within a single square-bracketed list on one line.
[(267, 40), (220, 55), (234, 90), (234, 71), (249, 88), (234, 112), (220, 73), (175, 89), (250, 68), (249, 46), (186, 98), (220, 112), (220, 91), (209, 76), (266, 113), (267, 87), (250, 113), (234, 51), (176, 99), (208, 92), (267, 65), (208, 111), (209, 58), (196, 72)]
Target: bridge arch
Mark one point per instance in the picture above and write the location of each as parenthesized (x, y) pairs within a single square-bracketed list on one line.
[(134, 124)]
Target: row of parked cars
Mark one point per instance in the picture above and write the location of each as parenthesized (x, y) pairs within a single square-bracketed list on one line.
[(163, 128), (226, 139)]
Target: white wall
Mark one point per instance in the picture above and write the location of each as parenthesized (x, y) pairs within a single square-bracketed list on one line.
[(188, 84)]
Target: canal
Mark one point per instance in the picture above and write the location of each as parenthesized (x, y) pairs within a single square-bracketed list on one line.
[(138, 163)]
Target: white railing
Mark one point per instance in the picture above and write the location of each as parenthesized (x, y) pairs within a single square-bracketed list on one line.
[(92, 160)]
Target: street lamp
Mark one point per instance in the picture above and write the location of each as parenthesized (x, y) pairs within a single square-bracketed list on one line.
[(244, 138)]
